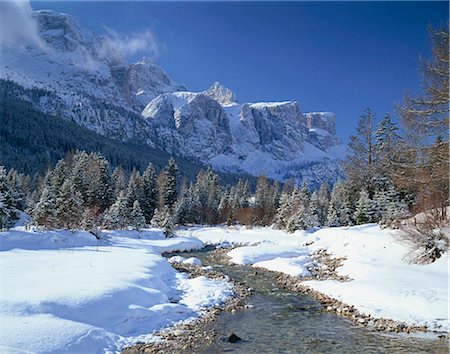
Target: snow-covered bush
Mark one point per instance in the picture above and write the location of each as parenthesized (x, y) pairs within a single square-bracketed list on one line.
[(428, 237)]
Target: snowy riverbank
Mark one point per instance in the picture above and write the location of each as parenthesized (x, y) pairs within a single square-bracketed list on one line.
[(67, 292), (382, 283)]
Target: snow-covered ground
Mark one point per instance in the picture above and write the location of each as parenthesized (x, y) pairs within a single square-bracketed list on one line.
[(67, 292), (383, 284)]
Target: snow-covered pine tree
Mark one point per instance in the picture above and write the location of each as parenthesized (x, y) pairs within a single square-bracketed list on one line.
[(89, 222), (98, 177), (135, 188), (69, 207), (266, 198), (323, 202), (364, 211), (169, 188), (150, 198), (77, 174), (339, 208), (314, 211), (284, 211), (117, 215), (137, 219), (162, 218), (183, 208), (242, 194), (119, 181), (8, 212), (44, 212), (18, 188), (390, 205), (59, 174), (5, 211), (262, 194), (300, 217)]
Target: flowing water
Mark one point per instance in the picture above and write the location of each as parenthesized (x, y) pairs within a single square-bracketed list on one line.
[(281, 321)]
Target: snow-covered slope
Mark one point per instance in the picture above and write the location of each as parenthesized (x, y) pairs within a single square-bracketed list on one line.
[(84, 77), (67, 292)]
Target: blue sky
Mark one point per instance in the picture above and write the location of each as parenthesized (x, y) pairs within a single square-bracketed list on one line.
[(329, 56)]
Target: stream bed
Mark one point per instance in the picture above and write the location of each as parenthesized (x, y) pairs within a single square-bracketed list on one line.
[(282, 321)]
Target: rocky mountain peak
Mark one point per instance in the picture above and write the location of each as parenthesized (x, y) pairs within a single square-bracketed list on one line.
[(61, 32), (221, 94)]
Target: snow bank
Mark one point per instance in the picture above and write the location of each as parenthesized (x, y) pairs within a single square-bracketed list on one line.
[(68, 292), (264, 252), (383, 284), (296, 267), (239, 236)]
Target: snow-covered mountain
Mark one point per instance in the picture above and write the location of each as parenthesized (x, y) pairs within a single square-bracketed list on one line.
[(82, 77)]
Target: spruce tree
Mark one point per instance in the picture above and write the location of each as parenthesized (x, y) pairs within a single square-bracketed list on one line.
[(363, 213), (117, 216), (69, 207), (169, 185), (137, 219), (150, 198), (119, 181), (89, 222), (283, 211), (44, 212), (8, 213)]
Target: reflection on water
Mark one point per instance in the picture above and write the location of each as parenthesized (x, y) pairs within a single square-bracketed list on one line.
[(280, 321)]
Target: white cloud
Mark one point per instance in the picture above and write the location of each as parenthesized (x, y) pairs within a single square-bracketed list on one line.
[(17, 27), (116, 47)]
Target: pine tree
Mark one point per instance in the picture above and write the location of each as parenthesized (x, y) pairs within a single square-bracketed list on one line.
[(117, 216), (137, 219), (169, 187), (119, 181), (284, 211), (364, 211), (150, 198), (315, 212), (135, 188), (44, 212), (59, 174), (8, 213), (341, 206), (163, 219), (89, 222), (69, 207), (323, 202), (5, 211), (17, 188)]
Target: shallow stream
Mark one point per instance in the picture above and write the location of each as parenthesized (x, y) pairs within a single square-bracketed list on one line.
[(282, 321)]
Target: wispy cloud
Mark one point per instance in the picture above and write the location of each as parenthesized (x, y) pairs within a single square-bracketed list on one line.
[(17, 26), (116, 47)]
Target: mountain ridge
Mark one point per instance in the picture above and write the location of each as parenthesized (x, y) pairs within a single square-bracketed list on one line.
[(93, 86)]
